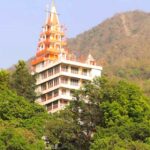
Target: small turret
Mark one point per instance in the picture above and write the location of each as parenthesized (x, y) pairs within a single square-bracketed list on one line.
[(90, 60)]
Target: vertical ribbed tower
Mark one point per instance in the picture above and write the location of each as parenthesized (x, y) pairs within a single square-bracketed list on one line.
[(52, 41)]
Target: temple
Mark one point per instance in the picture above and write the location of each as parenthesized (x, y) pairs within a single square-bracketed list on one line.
[(57, 70)]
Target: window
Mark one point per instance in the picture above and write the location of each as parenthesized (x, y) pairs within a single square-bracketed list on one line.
[(43, 98), (74, 82), (50, 72), (49, 95), (56, 69), (44, 75), (41, 47), (55, 93), (42, 64), (56, 81), (55, 104), (47, 28), (64, 80), (63, 102), (43, 37), (71, 93), (49, 107), (50, 84), (74, 70), (43, 87), (64, 68), (47, 36), (64, 91), (84, 72)]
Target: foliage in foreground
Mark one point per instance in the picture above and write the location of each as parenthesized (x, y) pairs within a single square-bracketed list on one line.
[(19, 139), (105, 114), (21, 122)]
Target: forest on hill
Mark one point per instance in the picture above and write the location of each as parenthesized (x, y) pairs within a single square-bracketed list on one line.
[(121, 44)]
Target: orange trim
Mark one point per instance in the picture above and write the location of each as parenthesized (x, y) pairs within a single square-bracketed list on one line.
[(45, 51), (39, 53), (37, 60), (53, 51), (53, 58)]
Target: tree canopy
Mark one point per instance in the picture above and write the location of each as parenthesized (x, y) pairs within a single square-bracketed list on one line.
[(104, 114), (4, 78), (21, 122), (23, 82)]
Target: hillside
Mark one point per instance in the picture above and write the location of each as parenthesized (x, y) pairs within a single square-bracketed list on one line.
[(121, 44)]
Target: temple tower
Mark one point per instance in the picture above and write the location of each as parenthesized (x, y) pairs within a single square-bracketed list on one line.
[(52, 41), (58, 71)]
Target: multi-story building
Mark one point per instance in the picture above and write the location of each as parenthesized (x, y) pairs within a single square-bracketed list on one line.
[(57, 70)]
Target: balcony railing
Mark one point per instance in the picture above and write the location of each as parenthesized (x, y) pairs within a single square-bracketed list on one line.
[(64, 69)]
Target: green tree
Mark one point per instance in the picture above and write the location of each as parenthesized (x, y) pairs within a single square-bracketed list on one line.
[(19, 139), (18, 111), (21, 122), (83, 113), (104, 111), (125, 114), (61, 130), (23, 82), (114, 142), (4, 78)]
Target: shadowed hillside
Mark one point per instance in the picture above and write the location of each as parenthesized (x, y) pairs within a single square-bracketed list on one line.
[(121, 44)]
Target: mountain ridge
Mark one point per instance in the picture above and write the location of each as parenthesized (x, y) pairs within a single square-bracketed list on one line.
[(121, 44)]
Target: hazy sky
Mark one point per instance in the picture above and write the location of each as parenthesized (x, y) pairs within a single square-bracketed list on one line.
[(21, 22)]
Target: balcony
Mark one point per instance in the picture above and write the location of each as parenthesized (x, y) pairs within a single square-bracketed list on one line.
[(68, 61), (67, 74)]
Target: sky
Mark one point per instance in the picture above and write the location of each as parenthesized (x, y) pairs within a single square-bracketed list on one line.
[(21, 22)]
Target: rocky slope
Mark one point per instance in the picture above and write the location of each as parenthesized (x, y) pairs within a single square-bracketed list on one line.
[(121, 44)]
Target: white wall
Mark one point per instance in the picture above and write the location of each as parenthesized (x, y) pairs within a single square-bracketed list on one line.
[(95, 72)]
